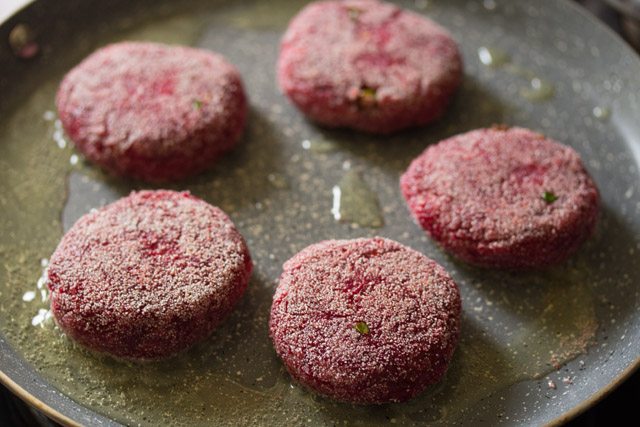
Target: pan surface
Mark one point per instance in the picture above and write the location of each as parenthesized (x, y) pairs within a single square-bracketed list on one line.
[(535, 348)]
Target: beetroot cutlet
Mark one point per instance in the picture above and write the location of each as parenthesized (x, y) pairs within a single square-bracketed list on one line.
[(147, 276), (368, 65), (366, 321), (503, 197), (151, 111)]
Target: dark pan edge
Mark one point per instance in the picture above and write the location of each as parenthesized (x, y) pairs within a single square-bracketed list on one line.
[(59, 417), (28, 398), (5, 380), (69, 413), (633, 367), (596, 397)]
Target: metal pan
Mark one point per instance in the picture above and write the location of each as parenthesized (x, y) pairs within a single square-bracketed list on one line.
[(536, 348)]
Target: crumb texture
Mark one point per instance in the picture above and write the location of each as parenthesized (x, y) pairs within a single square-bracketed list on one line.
[(151, 111), (147, 276), (365, 320), (503, 197), (368, 65)]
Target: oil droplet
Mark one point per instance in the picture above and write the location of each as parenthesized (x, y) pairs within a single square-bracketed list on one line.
[(49, 116), (41, 282), (278, 181), (489, 4), (355, 202), (492, 57), (565, 327), (337, 200), (421, 4), (519, 71), (539, 90), (40, 318), (601, 113), (29, 296), (73, 160), (319, 146), (58, 134)]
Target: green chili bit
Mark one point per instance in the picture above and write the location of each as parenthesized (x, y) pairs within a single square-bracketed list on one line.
[(197, 104), (367, 97), (549, 197), (362, 327), (354, 12)]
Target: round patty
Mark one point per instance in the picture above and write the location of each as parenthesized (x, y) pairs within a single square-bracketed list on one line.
[(147, 276), (503, 197), (368, 65), (366, 320), (151, 111)]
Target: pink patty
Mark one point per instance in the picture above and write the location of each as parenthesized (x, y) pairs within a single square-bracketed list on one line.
[(152, 111), (368, 65), (366, 320), (147, 276), (502, 197)]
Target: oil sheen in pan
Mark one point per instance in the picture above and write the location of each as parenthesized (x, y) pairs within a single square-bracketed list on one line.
[(516, 327)]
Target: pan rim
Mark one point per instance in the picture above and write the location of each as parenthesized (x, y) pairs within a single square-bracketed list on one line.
[(36, 403), (57, 416), (568, 415)]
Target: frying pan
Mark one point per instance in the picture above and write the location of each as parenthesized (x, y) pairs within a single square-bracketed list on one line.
[(536, 347)]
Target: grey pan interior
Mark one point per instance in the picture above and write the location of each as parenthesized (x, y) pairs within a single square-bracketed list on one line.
[(565, 75)]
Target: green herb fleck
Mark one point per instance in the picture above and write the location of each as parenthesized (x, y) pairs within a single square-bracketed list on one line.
[(366, 97), (354, 12), (549, 197), (362, 327), (197, 104), (368, 92)]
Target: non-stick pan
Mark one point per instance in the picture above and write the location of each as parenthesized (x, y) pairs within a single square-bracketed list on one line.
[(536, 347)]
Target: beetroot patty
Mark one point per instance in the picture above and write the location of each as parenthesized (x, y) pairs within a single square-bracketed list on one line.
[(501, 197), (152, 111), (368, 65), (366, 320), (147, 276)]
